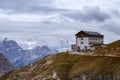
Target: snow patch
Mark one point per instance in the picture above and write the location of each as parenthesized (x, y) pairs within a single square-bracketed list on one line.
[(34, 57), (7, 49), (16, 58)]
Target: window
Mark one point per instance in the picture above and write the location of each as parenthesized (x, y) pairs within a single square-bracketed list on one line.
[(85, 47), (90, 38), (81, 38), (90, 43), (81, 42)]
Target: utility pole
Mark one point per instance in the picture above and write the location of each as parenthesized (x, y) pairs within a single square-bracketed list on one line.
[(62, 45), (67, 46)]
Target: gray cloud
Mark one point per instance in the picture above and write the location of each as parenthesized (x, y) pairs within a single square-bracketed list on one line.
[(43, 22), (116, 13), (26, 5), (112, 27), (42, 33), (89, 14), (17, 4), (21, 6)]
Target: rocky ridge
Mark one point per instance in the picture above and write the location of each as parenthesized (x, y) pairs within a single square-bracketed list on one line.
[(5, 65)]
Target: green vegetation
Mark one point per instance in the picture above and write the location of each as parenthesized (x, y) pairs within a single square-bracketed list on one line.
[(63, 62), (113, 45), (110, 49), (66, 66)]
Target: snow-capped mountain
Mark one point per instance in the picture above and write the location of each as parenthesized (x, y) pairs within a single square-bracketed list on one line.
[(19, 56)]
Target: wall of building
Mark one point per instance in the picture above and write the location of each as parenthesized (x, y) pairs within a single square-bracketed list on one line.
[(95, 40), (83, 42)]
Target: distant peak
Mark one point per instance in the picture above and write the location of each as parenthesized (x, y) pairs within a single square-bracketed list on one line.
[(5, 39), (44, 46), (37, 47)]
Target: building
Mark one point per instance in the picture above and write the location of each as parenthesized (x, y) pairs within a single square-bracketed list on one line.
[(86, 39)]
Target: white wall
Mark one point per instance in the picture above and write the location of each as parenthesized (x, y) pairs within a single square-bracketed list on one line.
[(85, 42)]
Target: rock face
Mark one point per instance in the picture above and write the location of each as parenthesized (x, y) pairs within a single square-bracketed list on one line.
[(5, 65), (64, 66), (96, 76), (19, 56)]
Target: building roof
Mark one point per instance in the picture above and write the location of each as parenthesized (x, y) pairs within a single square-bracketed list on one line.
[(92, 33), (89, 33)]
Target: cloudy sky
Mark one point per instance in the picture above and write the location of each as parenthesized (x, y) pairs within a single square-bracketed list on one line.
[(47, 22)]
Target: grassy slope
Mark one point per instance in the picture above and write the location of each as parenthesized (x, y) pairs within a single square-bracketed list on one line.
[(68, 65), (110, 49), (114, 45)]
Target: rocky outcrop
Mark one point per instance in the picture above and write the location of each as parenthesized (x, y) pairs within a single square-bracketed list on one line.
[(5, 65), (96, 76)]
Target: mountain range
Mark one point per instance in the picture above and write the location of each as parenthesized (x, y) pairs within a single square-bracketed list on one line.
[(19, 56)]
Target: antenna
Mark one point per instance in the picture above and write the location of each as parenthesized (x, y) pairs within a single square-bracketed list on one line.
[(67, 45), (81, 29), (62, 45)]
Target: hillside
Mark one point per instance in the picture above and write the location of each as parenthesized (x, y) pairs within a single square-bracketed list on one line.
[(65, 66), (112, 49), (5, 65)]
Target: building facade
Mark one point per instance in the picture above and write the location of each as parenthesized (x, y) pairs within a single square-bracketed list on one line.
[(86, 39)]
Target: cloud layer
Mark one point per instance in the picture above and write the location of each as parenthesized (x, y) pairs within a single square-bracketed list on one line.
[(89, 14), (47, 22)]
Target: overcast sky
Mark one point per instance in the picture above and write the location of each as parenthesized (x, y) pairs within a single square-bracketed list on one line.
[(47, 22)]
